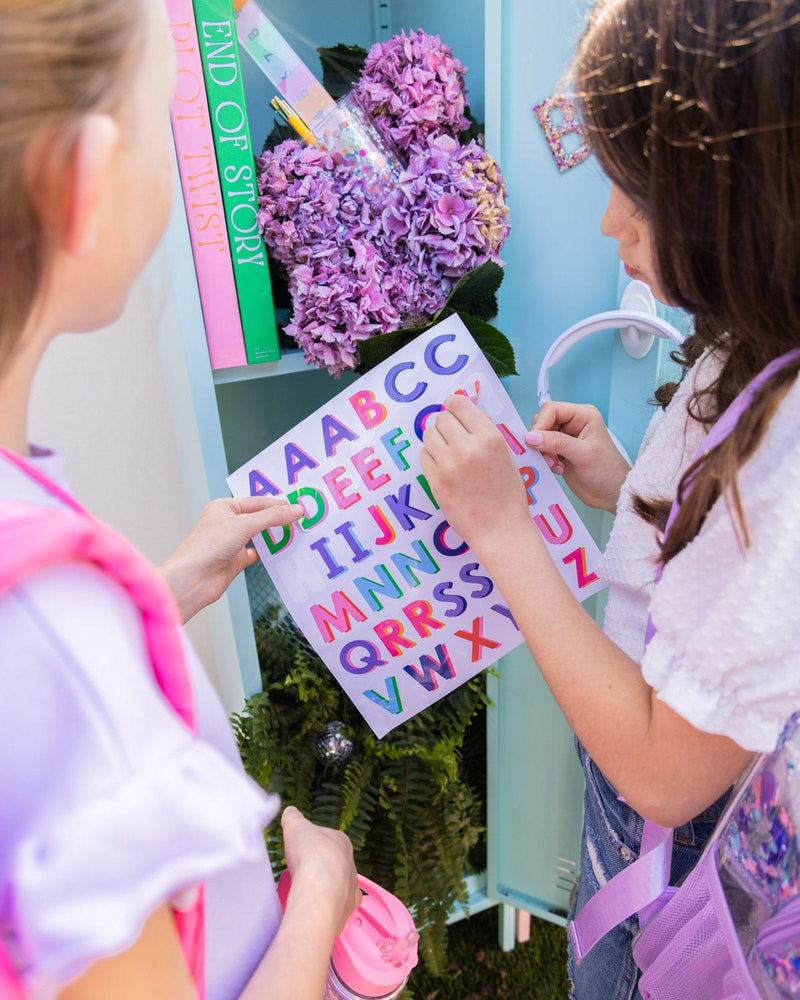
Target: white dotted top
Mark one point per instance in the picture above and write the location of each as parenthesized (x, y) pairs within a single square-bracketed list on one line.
[(725, 655)]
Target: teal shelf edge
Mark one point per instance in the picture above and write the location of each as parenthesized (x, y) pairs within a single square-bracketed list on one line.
[(290, 363), (477, 899), (536, 908)]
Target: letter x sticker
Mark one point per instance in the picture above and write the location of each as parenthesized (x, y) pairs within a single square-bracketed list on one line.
[(477, 639)]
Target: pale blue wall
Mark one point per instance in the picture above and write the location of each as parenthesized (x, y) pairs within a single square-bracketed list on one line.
[(560, 268)]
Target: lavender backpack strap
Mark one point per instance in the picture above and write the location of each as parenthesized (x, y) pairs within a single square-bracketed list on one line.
[(633, 889), (639, 885)]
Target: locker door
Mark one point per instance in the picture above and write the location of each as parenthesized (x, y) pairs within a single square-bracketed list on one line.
[(560, 270)]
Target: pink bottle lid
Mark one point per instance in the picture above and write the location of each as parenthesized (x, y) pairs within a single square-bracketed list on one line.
[(377, 949)]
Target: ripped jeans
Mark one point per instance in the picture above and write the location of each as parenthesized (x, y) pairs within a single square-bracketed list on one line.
[(612, 835)]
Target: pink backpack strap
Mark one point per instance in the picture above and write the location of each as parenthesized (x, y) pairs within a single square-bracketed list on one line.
[(10, 988), (33, 538)]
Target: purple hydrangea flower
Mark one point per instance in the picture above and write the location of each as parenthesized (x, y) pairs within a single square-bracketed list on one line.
[(413, 87), (360, 264), (448, 214)]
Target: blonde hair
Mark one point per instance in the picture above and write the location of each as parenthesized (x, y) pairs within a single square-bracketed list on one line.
[(59, 59)]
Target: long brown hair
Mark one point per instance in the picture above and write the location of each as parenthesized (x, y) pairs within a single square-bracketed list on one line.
[(59, 59), (693, 107)]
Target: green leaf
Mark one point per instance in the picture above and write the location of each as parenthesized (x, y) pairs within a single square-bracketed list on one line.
[(486, 309), (341, 68), (412, 803), (474, 132), (474, 292), (384, 345), (495, 345), (475, 286), (280, 133)]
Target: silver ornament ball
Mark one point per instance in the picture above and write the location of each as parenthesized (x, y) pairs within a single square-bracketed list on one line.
[(334, 746)]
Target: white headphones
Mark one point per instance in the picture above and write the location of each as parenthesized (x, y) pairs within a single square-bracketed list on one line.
[(636, 321)]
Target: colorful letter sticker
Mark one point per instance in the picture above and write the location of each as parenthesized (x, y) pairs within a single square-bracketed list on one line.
[(556, 115)]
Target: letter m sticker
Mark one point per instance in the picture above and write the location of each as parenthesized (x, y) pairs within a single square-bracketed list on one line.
[(339, 618)]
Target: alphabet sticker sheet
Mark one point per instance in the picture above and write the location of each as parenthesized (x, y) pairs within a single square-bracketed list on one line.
[(389, 596)]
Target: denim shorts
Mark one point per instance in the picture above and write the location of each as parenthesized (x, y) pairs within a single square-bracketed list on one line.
[(612, 835)]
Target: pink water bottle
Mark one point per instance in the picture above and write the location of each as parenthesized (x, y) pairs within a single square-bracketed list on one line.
[(375, 953)]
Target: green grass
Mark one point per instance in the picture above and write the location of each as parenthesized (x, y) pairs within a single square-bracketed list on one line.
[(479, 969)]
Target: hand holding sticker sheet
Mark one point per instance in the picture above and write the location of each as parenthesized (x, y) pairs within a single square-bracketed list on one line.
[(390, 597)]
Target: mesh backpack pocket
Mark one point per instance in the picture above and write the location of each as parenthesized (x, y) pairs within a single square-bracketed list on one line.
[(731, 930), (692, 940)]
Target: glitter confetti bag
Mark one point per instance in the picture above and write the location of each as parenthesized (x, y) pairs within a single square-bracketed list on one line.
[(731, 931), (759, 869), (733, 928)]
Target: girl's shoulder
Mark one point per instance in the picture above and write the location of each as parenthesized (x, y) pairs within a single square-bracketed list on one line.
[(783, 426), (86, 688), (106, 793), (673, 435), (769, 481), (725, 654)]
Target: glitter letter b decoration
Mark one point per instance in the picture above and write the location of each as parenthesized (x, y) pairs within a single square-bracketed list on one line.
[(556, 116)]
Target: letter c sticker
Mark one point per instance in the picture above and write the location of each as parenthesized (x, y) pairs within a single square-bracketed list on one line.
[(433, 364), (390, 384)]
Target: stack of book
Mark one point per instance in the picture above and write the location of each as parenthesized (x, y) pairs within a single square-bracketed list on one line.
[(218, 178)]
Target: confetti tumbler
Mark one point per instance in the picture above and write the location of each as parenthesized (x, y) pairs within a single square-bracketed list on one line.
[(375, 953), (342, 127), (348, 131)]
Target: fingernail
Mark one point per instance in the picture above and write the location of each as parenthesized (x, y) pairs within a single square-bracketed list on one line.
[(534, 439), (298, 510), (550, 461)]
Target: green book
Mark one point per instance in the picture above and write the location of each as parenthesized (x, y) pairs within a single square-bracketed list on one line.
[(219, 50)]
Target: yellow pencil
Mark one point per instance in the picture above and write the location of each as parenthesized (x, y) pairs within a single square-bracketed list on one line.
[(292, 118)]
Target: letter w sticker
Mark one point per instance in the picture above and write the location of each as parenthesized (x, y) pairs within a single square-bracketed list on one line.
[(428, 666)]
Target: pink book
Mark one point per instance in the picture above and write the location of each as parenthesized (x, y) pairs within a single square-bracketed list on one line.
[(202, 196)]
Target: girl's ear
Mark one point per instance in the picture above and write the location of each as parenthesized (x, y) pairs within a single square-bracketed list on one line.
[(89, 169), (65, 173)]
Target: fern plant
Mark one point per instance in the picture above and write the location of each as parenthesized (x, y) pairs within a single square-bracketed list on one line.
[(411, 803)]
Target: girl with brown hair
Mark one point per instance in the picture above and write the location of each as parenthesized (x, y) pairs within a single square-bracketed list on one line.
[(694, 111)]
